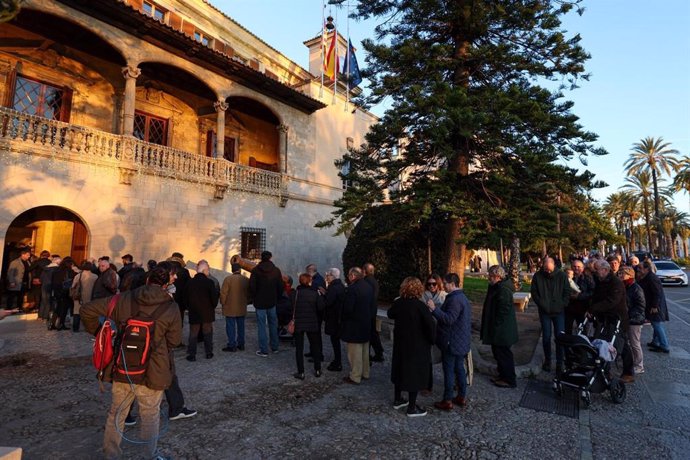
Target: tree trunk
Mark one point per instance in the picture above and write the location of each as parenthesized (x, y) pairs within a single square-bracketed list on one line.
[(685, 246), (455, 263), (514, 268), (657, 219), (646, 224)]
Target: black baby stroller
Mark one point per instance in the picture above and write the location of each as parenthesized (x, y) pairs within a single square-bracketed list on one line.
[(585, 370)]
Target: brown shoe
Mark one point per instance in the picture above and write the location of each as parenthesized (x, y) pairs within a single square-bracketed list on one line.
[(444, 405), (460, 401), (347, 379), (627, 379)]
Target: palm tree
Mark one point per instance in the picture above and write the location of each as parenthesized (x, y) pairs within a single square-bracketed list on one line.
[(654, 156), (639, 189), (682, 179), (673, 222)]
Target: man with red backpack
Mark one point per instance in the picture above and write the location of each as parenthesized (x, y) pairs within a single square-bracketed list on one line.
[(149, 328)]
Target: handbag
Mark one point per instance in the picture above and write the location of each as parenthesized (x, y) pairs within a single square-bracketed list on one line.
[(291, 324)]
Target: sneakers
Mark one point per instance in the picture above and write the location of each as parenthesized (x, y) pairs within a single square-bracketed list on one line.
[(298, 375), (191, 358), (400, 403), (415, 411), (639, 371), (184, 413), (317, 373), (240, 347), (657, 349), (262, 354), (130, 420)]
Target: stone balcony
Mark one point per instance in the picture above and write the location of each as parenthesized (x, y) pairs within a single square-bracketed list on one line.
[(32, 135)]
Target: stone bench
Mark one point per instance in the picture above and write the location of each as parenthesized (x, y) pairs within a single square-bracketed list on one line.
[(520, 300)]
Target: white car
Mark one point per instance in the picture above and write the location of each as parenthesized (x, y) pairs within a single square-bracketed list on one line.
[(670, 273)]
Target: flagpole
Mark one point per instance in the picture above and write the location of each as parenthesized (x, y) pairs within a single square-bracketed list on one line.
[(335, 56), (347, 60), (323, 50)]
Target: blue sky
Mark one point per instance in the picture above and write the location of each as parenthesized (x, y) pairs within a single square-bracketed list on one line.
[(640, 68)]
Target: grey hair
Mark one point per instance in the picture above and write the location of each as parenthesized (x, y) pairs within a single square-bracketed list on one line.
[(334, 271), (356, 272), (603, 264), (497, 270)]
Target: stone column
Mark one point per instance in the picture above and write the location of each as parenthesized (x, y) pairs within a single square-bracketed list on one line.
[(221, 106), (130, 73), (282, 147)]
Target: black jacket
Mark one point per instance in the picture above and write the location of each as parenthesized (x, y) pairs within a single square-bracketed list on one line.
[(375, 286), (124, 271), (550, 291), (307, 305), (414, 334), (183, 278), (333, 300), (610, 298), (105, 285), (266, 285), (636, 304), (357, 313), (202, 299), (580, 304), (654, 297)]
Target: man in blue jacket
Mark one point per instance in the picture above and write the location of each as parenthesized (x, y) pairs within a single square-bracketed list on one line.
[(453, 337)]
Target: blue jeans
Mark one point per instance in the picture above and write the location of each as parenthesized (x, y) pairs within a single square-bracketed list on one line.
[(453, 369), (232, 322), (660, 338), (558, 322), (261, 316)]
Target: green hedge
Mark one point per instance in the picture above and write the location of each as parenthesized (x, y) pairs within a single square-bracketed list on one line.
[(377, 238)]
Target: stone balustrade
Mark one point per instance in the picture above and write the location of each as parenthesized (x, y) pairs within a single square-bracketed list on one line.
[(23, 133)]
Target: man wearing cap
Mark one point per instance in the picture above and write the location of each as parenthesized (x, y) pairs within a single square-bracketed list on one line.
[(265, 287), (234, 297)]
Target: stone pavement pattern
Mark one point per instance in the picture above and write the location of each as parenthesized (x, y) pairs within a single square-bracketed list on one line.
[(252, 407)]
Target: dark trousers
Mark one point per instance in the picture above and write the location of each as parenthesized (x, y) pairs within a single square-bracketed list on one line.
[(572, 321), (411, 397), (626, 355), (15, 299), (505, 362), (174, 397), (375, 340), (76, 321), (207, 329), (547, 321), (337, 352), (314, 345)]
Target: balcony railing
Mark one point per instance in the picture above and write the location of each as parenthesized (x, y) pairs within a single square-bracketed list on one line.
[(34, 135)]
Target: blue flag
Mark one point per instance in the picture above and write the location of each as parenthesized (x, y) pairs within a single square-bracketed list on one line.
[(351, 67)]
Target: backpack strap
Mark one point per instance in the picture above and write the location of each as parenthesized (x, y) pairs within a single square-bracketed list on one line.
[(111, 305)]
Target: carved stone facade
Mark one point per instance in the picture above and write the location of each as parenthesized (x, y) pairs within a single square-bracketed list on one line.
[(156, 149)]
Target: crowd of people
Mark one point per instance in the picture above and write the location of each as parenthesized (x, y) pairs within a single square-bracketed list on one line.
[(433, 313)]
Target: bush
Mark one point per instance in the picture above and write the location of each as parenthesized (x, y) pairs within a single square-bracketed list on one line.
[(377, 238), (682, 261)]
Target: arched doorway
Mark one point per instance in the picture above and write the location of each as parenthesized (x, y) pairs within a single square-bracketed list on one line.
[(53, 228), (251, 132)]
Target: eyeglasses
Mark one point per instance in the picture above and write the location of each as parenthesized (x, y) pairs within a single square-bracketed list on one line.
[(431, 284)]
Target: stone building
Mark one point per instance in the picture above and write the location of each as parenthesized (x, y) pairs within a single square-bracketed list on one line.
[(147, 127)]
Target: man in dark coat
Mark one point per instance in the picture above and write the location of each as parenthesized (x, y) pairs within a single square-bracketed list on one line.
[(551, 292), (657, 310), (36, 269), (266, 287), (183, 277), (453, 337), (202, 299), (127, 266), (333, 300), (499, 326), (356, 324), (579, 302), (106, 284), (609, 298), (375, 341)]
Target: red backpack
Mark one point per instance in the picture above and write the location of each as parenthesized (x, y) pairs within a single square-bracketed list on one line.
[(104, 346), (136, 342)]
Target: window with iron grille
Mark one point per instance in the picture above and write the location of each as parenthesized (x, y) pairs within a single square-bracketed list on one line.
[(253, 242), (150, 128), (41, 99)]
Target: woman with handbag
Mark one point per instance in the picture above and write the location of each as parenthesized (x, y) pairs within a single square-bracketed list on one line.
[(306, 305)]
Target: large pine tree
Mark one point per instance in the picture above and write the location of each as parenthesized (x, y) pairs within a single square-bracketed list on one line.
[(477, 110)]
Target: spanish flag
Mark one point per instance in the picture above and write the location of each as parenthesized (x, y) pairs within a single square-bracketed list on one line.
[(330, 66)]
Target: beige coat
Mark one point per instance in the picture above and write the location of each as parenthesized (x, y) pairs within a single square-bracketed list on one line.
[(234, 295), (87, 279)]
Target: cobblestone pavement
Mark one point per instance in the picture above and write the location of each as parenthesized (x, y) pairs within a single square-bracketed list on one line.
[(251, 407)]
